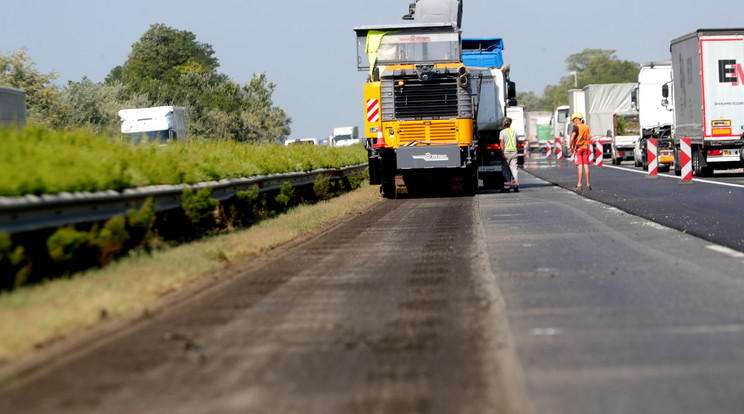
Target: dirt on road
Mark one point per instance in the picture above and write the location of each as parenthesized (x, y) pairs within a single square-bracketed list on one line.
[(392, 311)]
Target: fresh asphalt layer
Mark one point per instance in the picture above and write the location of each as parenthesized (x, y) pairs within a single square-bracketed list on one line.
[(709, 208)]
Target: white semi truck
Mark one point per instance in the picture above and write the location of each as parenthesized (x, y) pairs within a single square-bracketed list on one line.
[(345, 136), (158, 124), (655, 117), (708, 93)]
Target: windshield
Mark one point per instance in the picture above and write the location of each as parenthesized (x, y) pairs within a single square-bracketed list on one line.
[(342, 137), (408, 48), (628, 125)]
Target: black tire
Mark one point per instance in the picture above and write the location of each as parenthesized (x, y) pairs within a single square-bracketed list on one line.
[(677, 164), (697, 168)]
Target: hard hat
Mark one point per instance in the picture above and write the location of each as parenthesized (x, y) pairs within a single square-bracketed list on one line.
[(577, 115)]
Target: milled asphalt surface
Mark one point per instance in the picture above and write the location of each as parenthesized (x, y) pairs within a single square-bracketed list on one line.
[(393, 311)]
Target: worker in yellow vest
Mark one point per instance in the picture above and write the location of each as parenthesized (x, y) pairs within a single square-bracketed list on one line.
[(509, 167)]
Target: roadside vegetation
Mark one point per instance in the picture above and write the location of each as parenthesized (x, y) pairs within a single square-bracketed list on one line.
[(39, 161), (39, 315)]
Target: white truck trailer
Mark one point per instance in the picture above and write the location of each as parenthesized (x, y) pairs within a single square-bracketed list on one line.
[(158, 124), (654, 115), (708, 93), (12, 106), (607, 104)]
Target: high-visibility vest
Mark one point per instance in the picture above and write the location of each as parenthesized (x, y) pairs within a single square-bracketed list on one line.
[(582, 140), (511, 141)]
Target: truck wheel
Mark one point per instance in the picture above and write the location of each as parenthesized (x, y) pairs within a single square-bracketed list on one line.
[(697, 169), (677, 166)]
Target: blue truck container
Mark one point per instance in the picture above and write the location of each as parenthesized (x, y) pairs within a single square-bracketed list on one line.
[(483, 53)]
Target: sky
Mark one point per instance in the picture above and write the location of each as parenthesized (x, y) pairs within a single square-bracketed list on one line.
[(308, 48)]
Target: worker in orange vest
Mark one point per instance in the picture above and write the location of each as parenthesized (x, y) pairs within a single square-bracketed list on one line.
[(581, 147)]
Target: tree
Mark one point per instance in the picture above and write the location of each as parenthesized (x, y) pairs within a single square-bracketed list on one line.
[(530, 101), (591, 66), (162, 56), (172, 67), (18, 71)]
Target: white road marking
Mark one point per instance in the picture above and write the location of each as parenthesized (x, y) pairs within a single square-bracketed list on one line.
[(697, 180), (725, 250)]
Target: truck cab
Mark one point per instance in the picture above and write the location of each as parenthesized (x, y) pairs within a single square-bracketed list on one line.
[(161, 124)]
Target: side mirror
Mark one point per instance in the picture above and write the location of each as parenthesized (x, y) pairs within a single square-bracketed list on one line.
[(511, 91), (665, 91), (634, 99), (609, 133), (665, 103), (513, 102)]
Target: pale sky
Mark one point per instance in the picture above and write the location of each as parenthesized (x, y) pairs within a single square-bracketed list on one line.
[(307, 48)]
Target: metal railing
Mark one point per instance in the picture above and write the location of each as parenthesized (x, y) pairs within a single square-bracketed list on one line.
[(30, 212)]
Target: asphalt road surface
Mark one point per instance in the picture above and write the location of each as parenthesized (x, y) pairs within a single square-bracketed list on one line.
[(543, 301)]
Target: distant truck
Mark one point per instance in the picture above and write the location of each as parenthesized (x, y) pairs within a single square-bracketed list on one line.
[(303, 141), (560, 121), (539, 130), (605, 104), (708, 93), (12, 106), (345, 136), (517, 115), (157, 124), (654, 117)]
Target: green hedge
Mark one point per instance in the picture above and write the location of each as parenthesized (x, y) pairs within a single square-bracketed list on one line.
[(39, 161)]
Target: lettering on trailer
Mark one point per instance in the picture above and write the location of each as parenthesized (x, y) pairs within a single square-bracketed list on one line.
[(730, 72)]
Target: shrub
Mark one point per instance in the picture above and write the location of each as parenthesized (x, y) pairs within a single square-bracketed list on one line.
[(111, 240), (286, 195), (71, 247), (199, 209), (14, 264)]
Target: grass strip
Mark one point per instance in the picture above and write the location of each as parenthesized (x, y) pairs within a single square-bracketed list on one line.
[(38, 314)]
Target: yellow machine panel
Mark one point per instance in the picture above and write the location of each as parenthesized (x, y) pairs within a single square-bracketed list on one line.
[(372, 110)]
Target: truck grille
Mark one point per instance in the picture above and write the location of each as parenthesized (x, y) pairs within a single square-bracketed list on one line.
[(426, 100), (445, 131)]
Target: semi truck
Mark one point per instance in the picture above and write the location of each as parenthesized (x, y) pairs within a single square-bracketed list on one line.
[(539, 130), (157, 124), (344, 136), (433, 102), (655, 118), (708, 93), (560, 121), (12, 106)]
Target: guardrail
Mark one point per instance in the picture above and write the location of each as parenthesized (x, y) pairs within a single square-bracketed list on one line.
[(30, 212)]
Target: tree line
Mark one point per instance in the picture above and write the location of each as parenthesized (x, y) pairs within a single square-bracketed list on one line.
[(591, 66), (166, 66)]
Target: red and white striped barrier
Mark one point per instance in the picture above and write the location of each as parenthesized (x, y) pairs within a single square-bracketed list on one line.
[(598, 155), (558, 149), (685, 159), (548, 150), (653, 162)]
